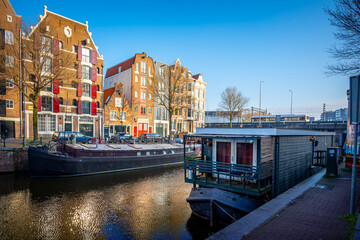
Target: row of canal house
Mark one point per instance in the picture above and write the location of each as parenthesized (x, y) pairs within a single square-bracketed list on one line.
[(80, 102), (131, 107)]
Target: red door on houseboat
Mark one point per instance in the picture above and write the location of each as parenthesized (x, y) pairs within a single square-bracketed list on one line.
[(244, 154), (135, 131), (223, 152)]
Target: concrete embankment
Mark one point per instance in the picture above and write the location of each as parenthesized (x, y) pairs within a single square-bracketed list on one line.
[(13, 159), (259, 216)]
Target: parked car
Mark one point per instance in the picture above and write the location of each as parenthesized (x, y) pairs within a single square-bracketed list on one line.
[(151, 137), (80, 138), (122, 137)]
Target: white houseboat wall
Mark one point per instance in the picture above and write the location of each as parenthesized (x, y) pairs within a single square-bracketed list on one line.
[(249, 166)]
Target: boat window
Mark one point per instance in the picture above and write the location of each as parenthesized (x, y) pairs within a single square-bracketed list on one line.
[(244, 153)]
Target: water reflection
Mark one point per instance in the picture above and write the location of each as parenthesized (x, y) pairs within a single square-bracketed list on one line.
[(146, 204)]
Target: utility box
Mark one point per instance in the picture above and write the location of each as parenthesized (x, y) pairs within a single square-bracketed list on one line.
[(332, 159)]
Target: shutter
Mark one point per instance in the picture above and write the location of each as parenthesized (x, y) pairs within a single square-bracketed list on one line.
[(80, 53), (93, 92), (94, 74), (79, 107), (2, 108), (93, 108), (55, 47), (94, 57), (79, 71), (37, 41), (39, 104), (56, 86), (56, 105), (55, 65), (79, 92), (2, 38), (2, 63), (3, 87)]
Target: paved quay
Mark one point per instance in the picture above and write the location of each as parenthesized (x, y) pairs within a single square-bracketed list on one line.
[(305, 211)]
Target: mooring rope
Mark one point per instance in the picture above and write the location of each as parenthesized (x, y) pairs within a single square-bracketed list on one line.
[(225, 211)]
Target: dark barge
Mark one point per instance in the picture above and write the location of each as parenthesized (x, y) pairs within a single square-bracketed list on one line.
[(83, 159), (237, 170)]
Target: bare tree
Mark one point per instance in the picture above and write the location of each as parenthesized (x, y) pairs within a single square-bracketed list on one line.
[(168, 86), (41, 62), (346, 18), (232, 103)]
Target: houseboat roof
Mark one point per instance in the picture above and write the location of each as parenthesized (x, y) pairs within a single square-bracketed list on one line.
[(258, 132)]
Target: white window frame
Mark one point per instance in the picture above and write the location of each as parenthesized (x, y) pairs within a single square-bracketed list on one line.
[(136, 78), (118, 102), (9, 37), (122, 116), (136, 94), (9, 104), (86, 74), (46, 64), (143, 67), (113, 115), (86, 92), (46, 44), (9, 61), (143, 81), (46, 123), (10, 83), (85, 55)]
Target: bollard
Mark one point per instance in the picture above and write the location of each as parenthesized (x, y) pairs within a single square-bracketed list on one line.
[(40, 140), (97, 142)]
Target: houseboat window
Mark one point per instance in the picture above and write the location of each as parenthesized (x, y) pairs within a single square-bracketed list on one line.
[(244, 153), (223, 152)]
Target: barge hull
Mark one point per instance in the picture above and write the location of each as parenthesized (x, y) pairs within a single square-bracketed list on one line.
[(224, 206), (43, 164)]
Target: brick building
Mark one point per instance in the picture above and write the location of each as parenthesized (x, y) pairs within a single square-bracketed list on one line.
[(75, 102), (189, 112), (10, 97), (137, 75), (117, 117)]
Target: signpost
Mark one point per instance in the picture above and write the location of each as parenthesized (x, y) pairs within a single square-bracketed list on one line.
[(354, 120)]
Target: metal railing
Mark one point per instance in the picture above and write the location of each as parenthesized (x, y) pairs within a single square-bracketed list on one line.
[(232, 177)]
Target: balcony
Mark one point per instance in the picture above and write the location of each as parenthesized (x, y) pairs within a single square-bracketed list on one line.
[(227, 176)]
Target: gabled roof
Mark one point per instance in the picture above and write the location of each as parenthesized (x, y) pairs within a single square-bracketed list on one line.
[(196, 76), (107, 94), (124, 66), (85, 26), (11, 7)]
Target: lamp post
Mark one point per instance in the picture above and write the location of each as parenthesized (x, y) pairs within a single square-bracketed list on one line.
[(260, 104), (291, 102)]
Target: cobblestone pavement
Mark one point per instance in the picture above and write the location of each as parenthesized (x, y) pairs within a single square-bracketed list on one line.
[(316, 214)]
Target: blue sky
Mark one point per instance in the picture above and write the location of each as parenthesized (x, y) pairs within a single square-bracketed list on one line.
[(232, 43)]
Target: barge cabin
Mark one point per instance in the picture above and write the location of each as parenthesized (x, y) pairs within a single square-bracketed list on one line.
[(239, 169)]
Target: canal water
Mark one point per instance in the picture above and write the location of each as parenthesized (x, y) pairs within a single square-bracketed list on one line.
[(142, 204)]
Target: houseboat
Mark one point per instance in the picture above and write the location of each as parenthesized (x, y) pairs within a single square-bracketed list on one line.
[(237, 170), (87, 159)]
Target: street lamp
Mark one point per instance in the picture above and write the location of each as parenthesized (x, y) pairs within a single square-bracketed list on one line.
[(260, 104), (291, 102)]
